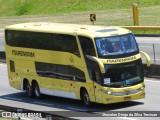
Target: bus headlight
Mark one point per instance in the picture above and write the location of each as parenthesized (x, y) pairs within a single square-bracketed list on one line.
[(110, 91)]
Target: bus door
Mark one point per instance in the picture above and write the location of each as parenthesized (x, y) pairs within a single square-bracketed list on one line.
[(96, 77)]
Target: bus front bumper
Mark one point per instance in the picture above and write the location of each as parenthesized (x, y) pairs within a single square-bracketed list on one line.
[(120, 97)]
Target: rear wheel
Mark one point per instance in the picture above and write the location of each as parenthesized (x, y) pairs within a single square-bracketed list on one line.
[(28, 89), (37, 90), (86, 99)]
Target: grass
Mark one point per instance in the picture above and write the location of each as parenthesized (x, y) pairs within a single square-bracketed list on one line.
[(32, 7), (108, 12)]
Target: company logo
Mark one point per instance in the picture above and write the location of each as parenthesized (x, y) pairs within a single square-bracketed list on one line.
[(121, 60), (23, 53)]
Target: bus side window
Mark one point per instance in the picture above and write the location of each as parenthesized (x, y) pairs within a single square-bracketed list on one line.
[(77, 74), (87, 46)]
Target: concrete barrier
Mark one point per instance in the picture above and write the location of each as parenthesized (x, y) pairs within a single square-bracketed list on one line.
[(153, 71), (2, 56)]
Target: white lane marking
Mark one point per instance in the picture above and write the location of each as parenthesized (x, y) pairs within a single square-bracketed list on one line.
[(3, 64), (44, 103), (22, 118), (71, 108), (152, 81), (13, 98), (127, 118)]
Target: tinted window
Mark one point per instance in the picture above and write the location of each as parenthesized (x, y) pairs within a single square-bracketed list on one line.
[(46, 41), (87, 46), (64, 72), (94, 70)]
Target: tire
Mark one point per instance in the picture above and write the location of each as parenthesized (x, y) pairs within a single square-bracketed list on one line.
[(36, 90), (28, 90), (86, 99)]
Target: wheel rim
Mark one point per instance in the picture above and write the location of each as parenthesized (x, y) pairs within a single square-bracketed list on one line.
[(28, 89), (86, 98)]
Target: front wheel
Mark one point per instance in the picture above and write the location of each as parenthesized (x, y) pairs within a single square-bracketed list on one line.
[(86, 99), (37, 91)]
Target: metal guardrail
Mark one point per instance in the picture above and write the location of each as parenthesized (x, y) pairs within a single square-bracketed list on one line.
[(145, 28)]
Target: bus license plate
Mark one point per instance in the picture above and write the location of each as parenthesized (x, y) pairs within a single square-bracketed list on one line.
[(128, 98)]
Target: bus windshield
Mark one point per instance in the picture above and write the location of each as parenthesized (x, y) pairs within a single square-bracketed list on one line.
[(116, 45), (123, 75)]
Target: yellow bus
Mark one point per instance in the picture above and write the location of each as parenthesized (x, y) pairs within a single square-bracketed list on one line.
[(89, 63)]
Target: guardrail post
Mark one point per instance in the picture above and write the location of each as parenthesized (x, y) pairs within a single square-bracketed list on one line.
[(135, 14), (154, 53)]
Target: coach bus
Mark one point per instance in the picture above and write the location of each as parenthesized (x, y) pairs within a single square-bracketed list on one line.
[(83, 62)]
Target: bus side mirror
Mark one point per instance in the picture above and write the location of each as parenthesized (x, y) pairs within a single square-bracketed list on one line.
[(148, 60), (101, 65)]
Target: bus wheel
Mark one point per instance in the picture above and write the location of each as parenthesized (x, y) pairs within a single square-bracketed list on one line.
[(28, 89), (86, 99), (37, 90)]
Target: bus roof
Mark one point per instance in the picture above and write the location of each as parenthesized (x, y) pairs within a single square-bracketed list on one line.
[(62, 28)]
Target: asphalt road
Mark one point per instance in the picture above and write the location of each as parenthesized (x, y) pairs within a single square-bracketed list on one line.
[(145, 44), (61, 106)]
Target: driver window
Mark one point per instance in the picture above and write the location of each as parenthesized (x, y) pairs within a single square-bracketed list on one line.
[(95, 76), (87, 46)]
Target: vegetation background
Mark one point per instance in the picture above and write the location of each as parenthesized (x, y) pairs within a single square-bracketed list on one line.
[(108, 12)]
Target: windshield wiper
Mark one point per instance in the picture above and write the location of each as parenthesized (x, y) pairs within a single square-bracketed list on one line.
[(133, 81), (115, 84)]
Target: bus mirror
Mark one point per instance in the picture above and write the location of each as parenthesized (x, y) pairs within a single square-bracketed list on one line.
[(101, 65), (148, 60), (77, 54)]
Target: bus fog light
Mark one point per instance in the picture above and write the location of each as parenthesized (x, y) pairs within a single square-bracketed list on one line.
[(108, 99)]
